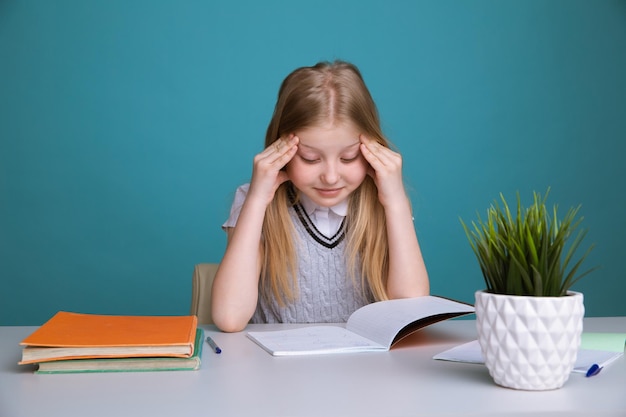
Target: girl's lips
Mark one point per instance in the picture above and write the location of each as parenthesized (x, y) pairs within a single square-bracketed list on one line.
[(328, 192)]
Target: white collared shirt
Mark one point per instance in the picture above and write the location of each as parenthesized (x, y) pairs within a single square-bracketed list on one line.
[(326, 219)]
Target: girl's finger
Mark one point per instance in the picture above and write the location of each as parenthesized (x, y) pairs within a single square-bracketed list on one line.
[(283, 152), (371, 154), (278, 148)]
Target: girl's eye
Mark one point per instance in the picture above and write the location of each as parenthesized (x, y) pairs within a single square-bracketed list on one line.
[(348, 160), (308, 161)]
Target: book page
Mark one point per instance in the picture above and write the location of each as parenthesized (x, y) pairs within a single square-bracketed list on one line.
[(312, 340), (382, 321)]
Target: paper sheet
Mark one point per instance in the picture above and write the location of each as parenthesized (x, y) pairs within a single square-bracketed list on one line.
[(600, 348)]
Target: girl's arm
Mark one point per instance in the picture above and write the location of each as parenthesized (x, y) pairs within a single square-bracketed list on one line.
[(407, 271), (235, 287)]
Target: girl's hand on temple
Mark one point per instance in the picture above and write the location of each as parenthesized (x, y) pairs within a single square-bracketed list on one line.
[(385, 169), (267, 172)]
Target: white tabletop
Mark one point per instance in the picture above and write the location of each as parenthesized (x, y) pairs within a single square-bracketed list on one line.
[(246, 380)]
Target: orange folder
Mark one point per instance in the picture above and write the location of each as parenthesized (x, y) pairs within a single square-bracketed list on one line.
[(74, 336)]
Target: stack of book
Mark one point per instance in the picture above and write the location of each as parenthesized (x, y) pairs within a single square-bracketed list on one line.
[(74, 342)]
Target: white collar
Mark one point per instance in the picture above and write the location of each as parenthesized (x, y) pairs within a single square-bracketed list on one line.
[(340, 209)]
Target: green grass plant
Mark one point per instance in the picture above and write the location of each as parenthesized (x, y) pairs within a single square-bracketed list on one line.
[(527, 254)]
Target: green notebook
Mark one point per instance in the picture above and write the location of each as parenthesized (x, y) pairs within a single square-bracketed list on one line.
[(127, 364)]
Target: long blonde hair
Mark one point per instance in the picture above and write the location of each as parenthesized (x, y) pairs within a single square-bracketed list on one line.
[(308, 97)]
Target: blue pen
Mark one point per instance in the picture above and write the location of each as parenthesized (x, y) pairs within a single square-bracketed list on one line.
[(213, 345), (593, 370)]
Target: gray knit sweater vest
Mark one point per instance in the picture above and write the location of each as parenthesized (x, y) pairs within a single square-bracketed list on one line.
[(326, 292)]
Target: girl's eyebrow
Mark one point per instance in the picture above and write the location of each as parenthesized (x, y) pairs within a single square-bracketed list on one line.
[(304, 145)]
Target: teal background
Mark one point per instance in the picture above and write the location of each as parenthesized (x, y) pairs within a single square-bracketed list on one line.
[(125, 127)]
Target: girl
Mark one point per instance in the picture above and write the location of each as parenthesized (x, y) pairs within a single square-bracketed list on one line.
[(325, 225)]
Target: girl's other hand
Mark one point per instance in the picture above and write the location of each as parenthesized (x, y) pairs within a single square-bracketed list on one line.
[(385, 169), (267, 173)]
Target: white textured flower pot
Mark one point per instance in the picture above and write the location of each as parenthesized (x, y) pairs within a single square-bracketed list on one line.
[(529, 343)]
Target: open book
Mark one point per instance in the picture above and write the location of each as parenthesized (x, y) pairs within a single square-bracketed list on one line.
[(376, 326)]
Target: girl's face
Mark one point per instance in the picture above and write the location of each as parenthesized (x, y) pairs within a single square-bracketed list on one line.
[(328, 165)]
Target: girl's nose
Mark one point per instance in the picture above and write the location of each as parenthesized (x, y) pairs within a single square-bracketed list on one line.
[(331, 174)]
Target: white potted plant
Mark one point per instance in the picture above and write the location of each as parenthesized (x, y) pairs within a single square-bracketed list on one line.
[(529, 322)]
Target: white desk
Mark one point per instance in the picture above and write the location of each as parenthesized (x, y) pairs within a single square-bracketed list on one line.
[(245, 380)]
